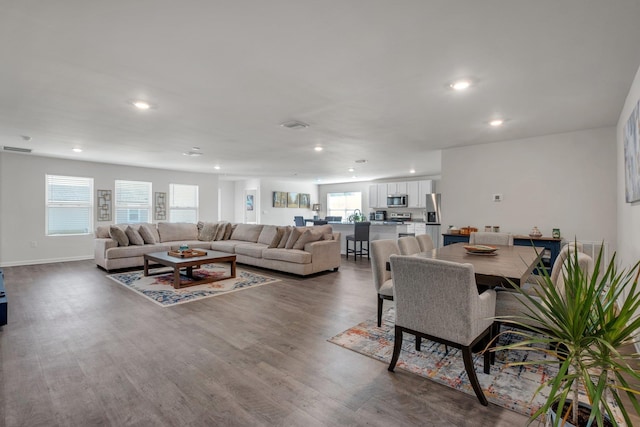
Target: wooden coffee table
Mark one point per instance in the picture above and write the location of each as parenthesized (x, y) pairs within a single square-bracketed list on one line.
[(164, 259)]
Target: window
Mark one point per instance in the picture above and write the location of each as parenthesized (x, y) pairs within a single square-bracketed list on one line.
[(133, 202), (183, 203), (69, 205), (343, 204)]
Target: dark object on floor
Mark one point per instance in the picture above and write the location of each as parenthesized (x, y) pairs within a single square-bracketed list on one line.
[(3, 301)]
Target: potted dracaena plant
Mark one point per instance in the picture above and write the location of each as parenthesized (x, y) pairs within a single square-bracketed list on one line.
[(584, 329)]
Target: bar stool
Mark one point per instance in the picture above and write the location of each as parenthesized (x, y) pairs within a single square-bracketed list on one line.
[(361, 235)]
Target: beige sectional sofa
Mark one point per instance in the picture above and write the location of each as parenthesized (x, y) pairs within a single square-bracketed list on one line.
[(253, 244)]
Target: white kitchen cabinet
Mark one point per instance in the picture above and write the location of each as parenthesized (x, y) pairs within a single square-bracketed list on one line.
[(382, 195), (426, 187), (373, 196), (420, 228), (413, 195)]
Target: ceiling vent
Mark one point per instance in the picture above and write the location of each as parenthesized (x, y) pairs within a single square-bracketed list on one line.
[(294, 124), (17, 149)]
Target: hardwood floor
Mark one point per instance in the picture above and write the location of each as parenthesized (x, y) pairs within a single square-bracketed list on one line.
[(82, 350)]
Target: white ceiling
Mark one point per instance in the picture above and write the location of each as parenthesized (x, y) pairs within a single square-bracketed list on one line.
[(370, 77)]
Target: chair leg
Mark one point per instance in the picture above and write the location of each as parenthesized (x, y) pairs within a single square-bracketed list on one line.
[(418, 343), (471, 373), (380, 301), (347, 249), (368, 250), (397, 346)]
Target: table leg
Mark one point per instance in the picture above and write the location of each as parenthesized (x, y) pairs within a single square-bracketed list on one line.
[(190, 272), (233, 268), (176, 278), (146, 267)]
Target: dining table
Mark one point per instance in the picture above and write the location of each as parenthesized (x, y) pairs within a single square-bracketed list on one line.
[(507, 265)]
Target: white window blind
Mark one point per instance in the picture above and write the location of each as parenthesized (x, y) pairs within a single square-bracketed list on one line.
[(183, 203), (132, 202), (69, 205), (343, 204)]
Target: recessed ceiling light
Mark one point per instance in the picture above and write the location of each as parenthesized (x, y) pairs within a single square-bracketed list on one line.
[(351, 170), (191, 154), (318, 148), (354, 176), (77, 150), (318, 179), (216, 167), (141, 105), (412, 171), (460, 85), (496, 122)]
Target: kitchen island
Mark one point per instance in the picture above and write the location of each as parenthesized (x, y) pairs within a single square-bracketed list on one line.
[(379, 230)]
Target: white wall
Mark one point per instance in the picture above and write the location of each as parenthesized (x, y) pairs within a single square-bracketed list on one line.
[(22, 203), (628, 213), (564, 181), (227, 201)]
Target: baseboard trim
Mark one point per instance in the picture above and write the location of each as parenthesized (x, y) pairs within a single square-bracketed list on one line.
[(44, 261)]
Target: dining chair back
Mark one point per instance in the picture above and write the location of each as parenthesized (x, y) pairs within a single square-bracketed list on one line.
[(381, 250), (446, 308), (299, 221), (408, 245), (488, 238), (426, 242)]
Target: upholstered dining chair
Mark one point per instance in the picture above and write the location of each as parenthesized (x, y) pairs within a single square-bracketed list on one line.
[(446, 308), (535, 281), (408, 245), (510, 303), (488, 238), (299, 221), (426, 242), (360, 236), (381, 250)]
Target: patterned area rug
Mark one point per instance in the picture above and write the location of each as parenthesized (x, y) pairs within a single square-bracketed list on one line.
[(159, 288), (512, 387)]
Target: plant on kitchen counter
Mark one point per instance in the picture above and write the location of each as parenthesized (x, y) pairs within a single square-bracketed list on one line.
[(357, 216)]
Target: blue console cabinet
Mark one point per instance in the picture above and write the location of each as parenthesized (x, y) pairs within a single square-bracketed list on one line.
[(550, 245), (3, 301)]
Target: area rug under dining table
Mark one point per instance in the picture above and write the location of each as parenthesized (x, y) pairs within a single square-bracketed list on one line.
[(159, 288), (511, 387)]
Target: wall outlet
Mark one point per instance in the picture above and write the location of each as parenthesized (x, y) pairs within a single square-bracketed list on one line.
[(497, 197)]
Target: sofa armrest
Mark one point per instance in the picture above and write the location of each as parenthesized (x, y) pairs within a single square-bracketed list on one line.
[(100, 250), (325, 254)]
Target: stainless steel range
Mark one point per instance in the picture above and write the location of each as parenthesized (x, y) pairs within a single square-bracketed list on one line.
[(399, 217)]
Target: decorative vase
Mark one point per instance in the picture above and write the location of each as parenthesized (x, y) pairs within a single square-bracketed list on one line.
[(556, 233), (535, 232)]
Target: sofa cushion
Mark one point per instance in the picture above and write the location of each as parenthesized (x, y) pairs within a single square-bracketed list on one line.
[(278, 237), (134, 237), (207, 232), (228, 231), (307, 237), (171, 232), (119, 235), (147, 234), (296, 232), (247, 232), (134, 251), (285, 237), (289, 255), (253, 250), (267, 234), (226, 245)]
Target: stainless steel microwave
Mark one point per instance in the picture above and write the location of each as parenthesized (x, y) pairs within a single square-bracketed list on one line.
[(397, 201)]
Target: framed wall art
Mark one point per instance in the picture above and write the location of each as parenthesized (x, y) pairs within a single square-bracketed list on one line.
[(304, 200), (292, 200), (279, 199), (160, 209), (632, 156), (104, 205)]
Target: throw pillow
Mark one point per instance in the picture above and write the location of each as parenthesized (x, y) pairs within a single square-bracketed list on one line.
[(293, 238), (327, 236), (221, 229), (147, 234), (276, 239), (134, 237), (229, 230), (307, 237), (285, 237), (102, 232), (119, 235), (208, 231)]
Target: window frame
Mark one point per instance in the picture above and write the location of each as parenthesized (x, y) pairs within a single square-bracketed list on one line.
[(173, 208), (68, 204), (133, 206), (346, 212)]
